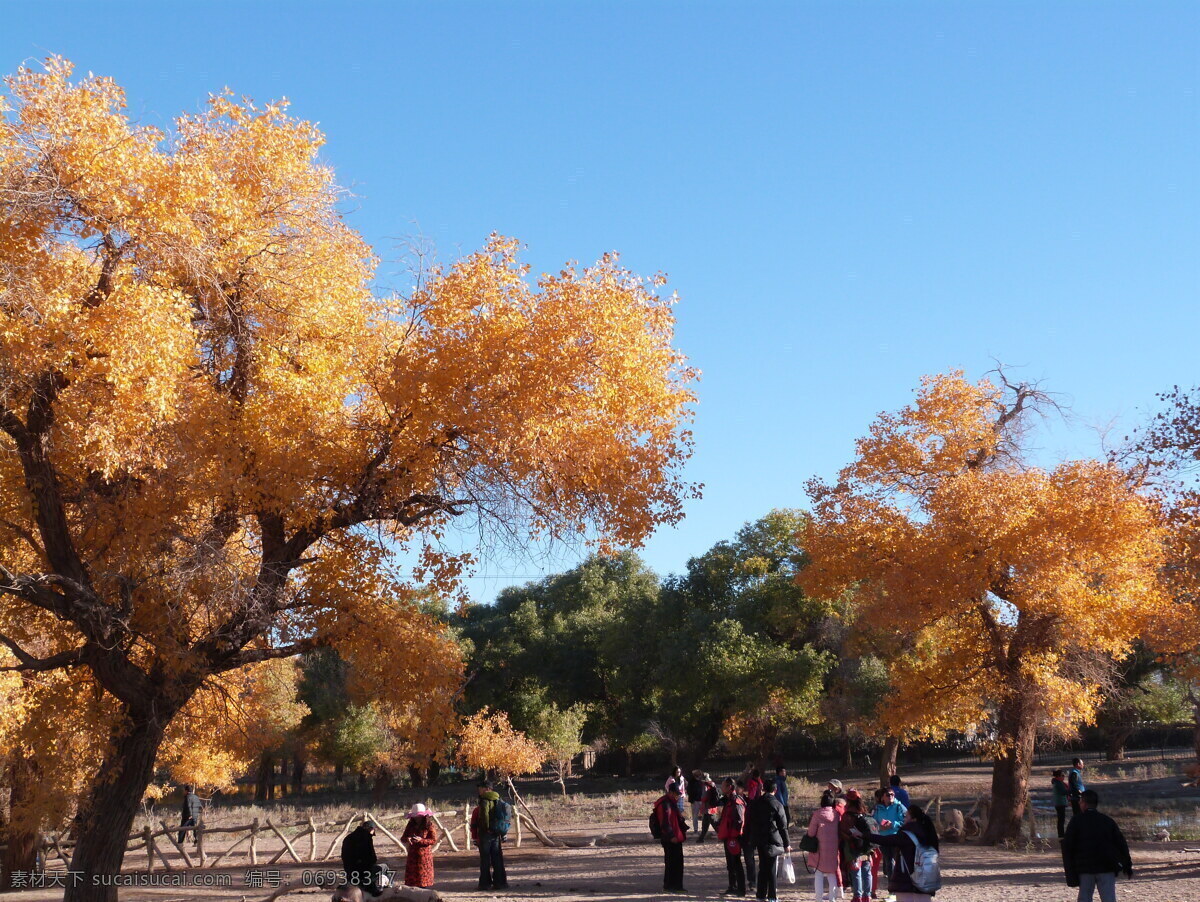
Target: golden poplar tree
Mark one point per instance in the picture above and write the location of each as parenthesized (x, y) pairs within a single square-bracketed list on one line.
[(213, 433), (1001, 584)]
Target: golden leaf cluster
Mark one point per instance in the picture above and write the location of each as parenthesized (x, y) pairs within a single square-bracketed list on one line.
[(978, 576)]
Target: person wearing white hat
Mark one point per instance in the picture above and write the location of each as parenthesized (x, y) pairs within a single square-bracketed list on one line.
[(420, 836)]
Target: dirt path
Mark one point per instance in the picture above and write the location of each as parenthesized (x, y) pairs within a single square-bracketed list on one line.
[(631, 873)]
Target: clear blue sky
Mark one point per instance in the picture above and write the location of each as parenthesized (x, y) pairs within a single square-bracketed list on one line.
[(845, 195)]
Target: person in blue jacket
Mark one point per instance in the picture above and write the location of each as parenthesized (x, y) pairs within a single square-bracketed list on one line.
[(900, 792), (781, 791), (889, 814)]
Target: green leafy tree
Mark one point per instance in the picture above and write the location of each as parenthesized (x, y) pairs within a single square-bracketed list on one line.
[(560, 731)]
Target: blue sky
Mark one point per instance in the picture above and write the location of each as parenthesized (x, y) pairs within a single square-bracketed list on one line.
[(845, 195)]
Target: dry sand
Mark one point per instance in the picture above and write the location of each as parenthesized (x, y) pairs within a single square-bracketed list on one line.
[(632, 872)]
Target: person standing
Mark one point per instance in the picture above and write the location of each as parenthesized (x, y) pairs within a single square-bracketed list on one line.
[(729, 832), (747, 838), (899, 791), (710, 806), (918, 828), (491, 845), (672, 833), (781, 791), (420, 836), (1075, 784), (359, 860), (695, 797), (838, 791), (854, 833), (754, 785), (1058, 786), (190, 814), (826, 861), (676, 776), (770, 838), (889, 814), (1094, 850)]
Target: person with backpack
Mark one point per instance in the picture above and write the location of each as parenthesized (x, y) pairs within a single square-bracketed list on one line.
[(770, 838), (729, 832), (1075, 785), (710, 806), (669, 826), (489, 825), (191, 814), (825, 861), (1058, 786), (916, 875), (1094, 851), (854, 834)]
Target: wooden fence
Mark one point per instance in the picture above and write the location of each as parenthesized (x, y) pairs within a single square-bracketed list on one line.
[(305, 844)]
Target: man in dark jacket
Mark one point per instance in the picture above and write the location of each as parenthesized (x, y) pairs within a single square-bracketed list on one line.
[(672, 833), (190, 815), (769, 823), (1094, 850), (359, 860)]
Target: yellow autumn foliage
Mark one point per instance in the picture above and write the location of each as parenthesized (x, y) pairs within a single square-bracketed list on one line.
[(214, 434), (488, 742), (994, 586)]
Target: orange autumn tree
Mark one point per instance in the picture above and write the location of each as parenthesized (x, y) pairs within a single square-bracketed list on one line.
[(214, 434), (999, 582), (488, 742)]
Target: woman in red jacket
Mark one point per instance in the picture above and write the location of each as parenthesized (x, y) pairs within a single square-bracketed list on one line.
[(420, 836)]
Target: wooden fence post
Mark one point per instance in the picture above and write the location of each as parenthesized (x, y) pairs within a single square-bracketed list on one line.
[(312, 839), (187, 859), (254, 842), (148, 839)]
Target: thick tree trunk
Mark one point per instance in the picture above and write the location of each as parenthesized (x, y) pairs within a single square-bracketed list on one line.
[(104, 821), (629, 752), (20, 837), (416, 775), (847, 749), (1114, 746), (283, 774), (299, 766), (383, 779), (1010, 771), (264, 788), (887, 760), (339, 772), (434, 770)]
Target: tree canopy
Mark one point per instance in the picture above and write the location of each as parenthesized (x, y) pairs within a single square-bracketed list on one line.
[(214, 433), (1002, 583)]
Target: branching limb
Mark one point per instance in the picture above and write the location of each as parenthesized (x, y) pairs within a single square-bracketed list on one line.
[(30, 664)]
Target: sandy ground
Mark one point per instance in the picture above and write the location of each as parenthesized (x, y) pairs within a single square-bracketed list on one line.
[(632, 872)]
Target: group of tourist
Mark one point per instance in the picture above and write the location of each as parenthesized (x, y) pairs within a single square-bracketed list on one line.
[(367, 876), (849, 839)]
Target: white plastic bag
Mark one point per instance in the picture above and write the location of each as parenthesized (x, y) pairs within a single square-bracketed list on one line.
[(789, 869)]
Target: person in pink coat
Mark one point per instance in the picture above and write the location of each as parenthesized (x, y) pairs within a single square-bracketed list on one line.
[(825, 862)]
